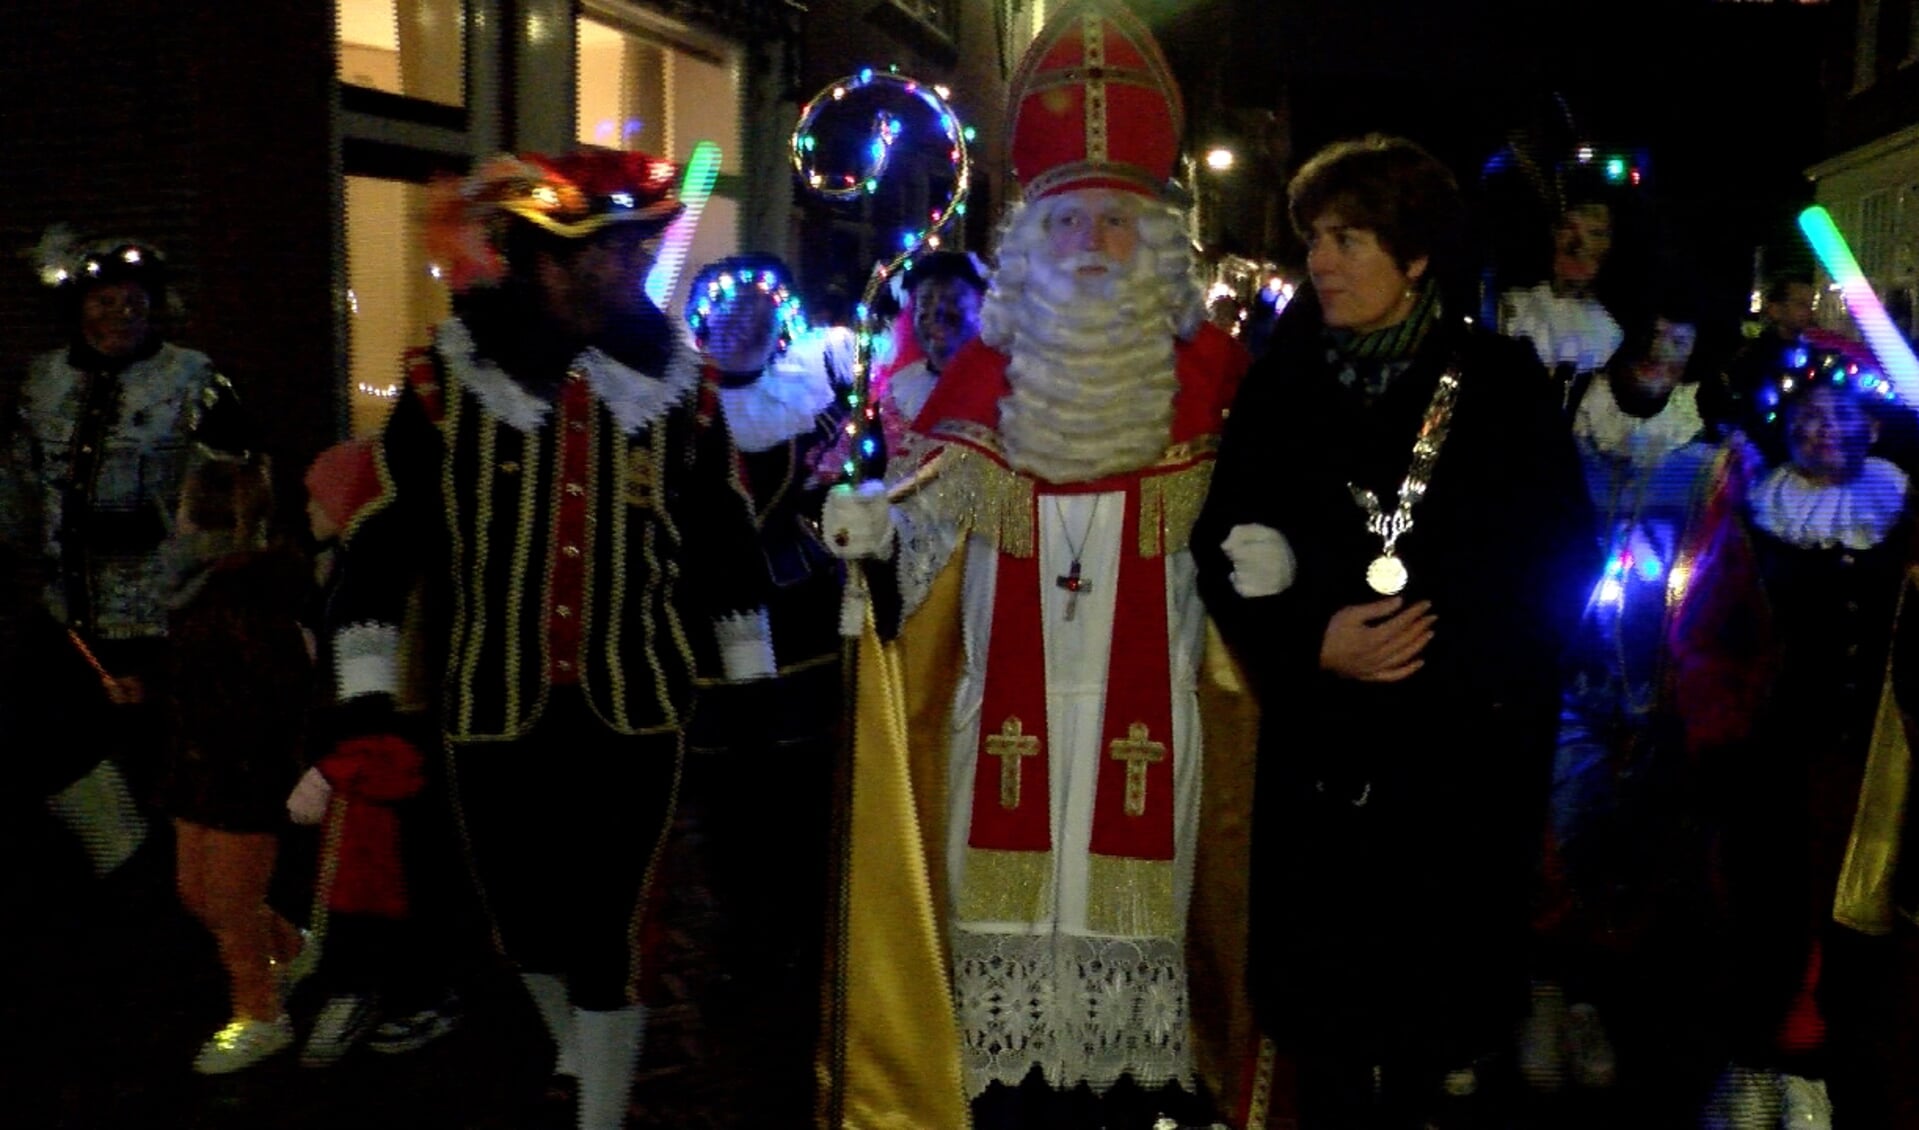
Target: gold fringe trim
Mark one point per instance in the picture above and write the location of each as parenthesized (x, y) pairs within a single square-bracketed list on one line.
[(1006, 886), (1130, 897), (1169, 507), (974, 493)]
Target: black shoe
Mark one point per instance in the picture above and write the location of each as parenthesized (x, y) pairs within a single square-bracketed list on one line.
[(343, 1021), (416, 1030)]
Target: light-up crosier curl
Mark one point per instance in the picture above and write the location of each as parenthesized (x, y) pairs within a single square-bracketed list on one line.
[(886, 128), (1895, 355)]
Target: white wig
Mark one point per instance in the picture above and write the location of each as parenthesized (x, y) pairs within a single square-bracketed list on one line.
[(1091, 362)]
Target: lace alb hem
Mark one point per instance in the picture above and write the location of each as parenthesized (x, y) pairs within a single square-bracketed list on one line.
[(1083, 1010)]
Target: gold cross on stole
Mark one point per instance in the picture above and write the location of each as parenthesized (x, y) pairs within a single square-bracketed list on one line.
[(1010, 745), (1137, 752)]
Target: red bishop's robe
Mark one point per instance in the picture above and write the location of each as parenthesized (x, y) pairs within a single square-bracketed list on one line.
[(1028, 795)]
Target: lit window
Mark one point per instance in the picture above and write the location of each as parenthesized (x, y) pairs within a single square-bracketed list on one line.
[(392, 300), (415, 48), (643, 92)]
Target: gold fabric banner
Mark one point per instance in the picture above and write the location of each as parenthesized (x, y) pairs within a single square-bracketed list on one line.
[(897, 1055), (1863, 899)]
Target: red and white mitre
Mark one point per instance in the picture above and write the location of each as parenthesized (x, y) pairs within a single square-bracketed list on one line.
[(1094, 105)]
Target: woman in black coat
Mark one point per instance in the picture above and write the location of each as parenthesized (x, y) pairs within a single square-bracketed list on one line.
[(1407, 682)]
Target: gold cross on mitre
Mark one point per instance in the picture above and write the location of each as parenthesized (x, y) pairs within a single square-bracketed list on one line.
[(1137, 752), (1010, 745)]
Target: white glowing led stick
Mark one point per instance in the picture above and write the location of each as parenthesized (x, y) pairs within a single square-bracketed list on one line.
[(696, 186), (1888, 345)]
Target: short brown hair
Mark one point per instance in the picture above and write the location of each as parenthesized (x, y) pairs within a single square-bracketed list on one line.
[(229, 494), (1387, 185)]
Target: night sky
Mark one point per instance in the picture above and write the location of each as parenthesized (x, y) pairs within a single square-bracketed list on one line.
[(1724, 100)]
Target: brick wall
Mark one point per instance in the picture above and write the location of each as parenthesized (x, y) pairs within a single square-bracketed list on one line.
[(204, 128)]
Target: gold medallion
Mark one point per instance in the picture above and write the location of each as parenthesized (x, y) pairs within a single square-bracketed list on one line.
[(1386, 575)]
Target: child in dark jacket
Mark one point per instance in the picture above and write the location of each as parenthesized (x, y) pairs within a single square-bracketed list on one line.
[(373, 965), (240, 678)]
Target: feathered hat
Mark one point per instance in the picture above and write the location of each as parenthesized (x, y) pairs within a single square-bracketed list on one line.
[(1094, 105), (572, 196), (68, 262)]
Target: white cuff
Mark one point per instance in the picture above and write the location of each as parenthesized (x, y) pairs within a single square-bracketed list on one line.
[(366, 660), (746, 646)]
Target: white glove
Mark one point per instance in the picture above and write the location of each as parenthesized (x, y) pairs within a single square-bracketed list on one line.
[(857, 522), (308, 801), (1263, 562)]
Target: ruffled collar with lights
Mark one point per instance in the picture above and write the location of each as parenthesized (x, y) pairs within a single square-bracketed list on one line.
[(1609, 429), (1809, 515), (789, 397), (634, 398)]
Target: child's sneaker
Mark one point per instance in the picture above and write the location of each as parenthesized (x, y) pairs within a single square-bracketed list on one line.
[(1593, 1063), (342, 1022), (243, 1043), (416, 1030), (1807, 1105)]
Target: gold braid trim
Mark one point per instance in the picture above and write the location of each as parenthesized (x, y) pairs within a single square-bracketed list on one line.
[(761, 513), (597, 431), (476, 584), (1130, 897), (516, 580), (456, 546), (1006, 886), (654, 453)]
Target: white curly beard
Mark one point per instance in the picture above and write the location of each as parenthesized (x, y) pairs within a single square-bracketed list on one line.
[(1091, 370)]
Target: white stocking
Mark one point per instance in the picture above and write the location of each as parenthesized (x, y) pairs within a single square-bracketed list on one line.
[(609, 1051), (549, 996)]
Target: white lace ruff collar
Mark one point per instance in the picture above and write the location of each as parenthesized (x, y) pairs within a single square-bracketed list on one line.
[(1606, 427), (636, 399), (1857, 515), (790, 394)]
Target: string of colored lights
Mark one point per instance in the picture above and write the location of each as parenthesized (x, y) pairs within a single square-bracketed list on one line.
[(713, 289), (696, 187), (887, 129), (1888, 345)]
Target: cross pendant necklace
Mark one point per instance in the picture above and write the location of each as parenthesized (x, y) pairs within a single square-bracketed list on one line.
[(1072, 581), (1074, 584)]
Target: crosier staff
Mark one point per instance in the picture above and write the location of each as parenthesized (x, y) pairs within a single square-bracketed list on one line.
[(866, 459)]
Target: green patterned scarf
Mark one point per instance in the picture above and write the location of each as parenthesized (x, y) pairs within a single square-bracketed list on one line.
[(1370, 361)]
